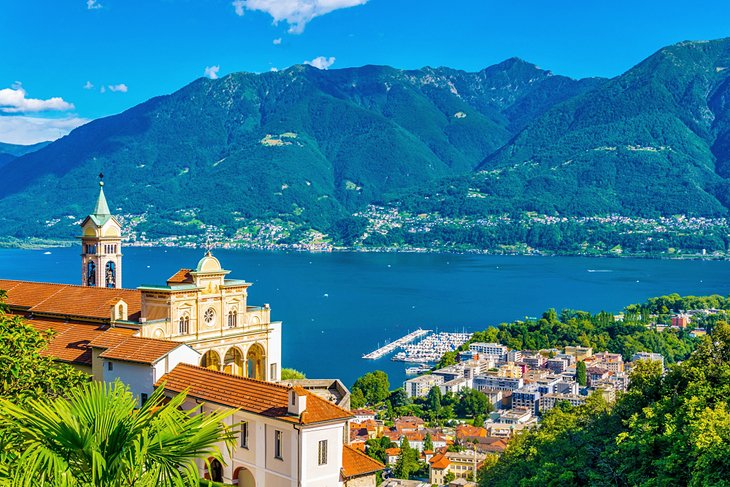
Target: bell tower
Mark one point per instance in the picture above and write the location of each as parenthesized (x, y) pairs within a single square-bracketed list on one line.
[(101, 246)]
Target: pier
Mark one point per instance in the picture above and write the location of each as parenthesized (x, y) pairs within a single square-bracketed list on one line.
[(386, 349)]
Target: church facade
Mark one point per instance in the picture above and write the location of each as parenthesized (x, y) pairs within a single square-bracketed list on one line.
[(201, 307)]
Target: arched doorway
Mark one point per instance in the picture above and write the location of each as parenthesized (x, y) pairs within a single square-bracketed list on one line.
[(233, 362), (245, 477), (211, 360), (216, 471), (255, 362)]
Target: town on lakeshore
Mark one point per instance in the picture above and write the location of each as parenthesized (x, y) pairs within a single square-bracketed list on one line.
[(365, 243), (197, 335)]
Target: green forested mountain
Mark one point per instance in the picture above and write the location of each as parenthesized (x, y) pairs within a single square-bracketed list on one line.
[(653, 141), (304, 144), (8, 152), (311, 147)]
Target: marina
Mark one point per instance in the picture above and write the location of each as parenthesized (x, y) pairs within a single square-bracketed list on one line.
[(389, 347), (431, 348)]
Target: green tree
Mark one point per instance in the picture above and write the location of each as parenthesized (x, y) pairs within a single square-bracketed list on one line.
[(472, 403), (357, 398), (449, 477), (376, 448), (96, 437), (24, 373), (433, 400), (581, 376), (374, 386), (428, 442), (292, 374), (407, 462)]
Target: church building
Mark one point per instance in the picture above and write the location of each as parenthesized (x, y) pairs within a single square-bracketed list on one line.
[(201, 307), (197, 333)]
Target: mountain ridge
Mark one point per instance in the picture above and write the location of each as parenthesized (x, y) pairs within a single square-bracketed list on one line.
[(312, 147)]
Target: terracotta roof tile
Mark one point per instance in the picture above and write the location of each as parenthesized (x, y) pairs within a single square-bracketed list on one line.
[(112, 337), (70, 342), (439, 461), (181, 277), (141, 350), (44, 298), (356, 463), (259, 397)]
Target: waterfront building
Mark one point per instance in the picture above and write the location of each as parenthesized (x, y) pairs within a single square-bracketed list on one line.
[(286, 436), (421, 385), (491, 349)]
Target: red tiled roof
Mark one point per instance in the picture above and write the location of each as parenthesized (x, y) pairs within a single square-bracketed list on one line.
[(70, 342), (439, 461), (356, 463), (181, 277), (140, 350), (259, 397), (44, 298), (111, 338)]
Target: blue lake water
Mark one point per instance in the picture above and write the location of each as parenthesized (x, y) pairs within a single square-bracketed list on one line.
[(336, 307)]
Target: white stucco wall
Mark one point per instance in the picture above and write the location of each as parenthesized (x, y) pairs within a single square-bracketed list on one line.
[(327, 475), (274, 352), (139, 377)]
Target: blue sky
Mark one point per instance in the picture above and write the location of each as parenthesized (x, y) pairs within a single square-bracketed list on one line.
[(69, 61)]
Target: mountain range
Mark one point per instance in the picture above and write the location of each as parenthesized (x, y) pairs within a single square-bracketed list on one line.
[(313, 146)]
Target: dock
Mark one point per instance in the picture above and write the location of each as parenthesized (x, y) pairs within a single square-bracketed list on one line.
[(386, 349)]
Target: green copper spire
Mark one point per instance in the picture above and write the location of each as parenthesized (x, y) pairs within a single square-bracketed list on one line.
[(101, 211)]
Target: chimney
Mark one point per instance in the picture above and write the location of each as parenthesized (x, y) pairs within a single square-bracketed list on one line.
[(297, 401)]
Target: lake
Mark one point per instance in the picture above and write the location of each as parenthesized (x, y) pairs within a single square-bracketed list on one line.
[(336, 307)]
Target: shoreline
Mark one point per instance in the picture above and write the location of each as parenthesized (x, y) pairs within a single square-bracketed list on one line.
[(40, 244)]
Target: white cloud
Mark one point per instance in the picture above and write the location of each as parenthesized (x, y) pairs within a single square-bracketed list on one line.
[(93, 4), (121, 88), (296, 13), (211, 72), (102, 89), (13, 100), (274, 70), (277, 41), (30, 130), (88, 85), (321, 62), (238, 6)]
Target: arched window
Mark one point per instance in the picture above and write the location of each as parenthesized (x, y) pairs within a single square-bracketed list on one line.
[(184, 325), (120, 311), (111, 274), (232, 318), (91, 274)]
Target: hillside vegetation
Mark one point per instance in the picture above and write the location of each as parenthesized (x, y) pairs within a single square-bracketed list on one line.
[(306, 149)]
